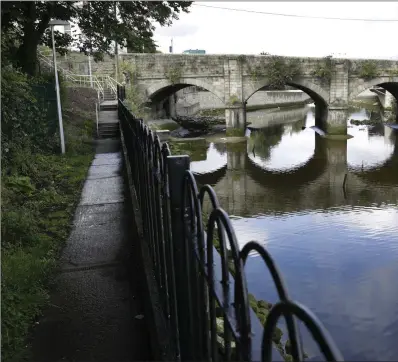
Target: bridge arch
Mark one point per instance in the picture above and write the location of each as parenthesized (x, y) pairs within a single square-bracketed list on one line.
[(319, 95), (315, 91), (165, 88), (388, 83)]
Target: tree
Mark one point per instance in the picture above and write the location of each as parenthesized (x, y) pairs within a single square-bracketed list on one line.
[(27, 22)]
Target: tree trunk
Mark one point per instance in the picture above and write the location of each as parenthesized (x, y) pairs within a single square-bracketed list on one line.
[(27, 52)]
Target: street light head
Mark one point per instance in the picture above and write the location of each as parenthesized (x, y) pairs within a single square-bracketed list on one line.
[(55, 22)]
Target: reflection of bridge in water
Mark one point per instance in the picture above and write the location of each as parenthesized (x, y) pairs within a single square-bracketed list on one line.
[(263, 118), (245, 188)]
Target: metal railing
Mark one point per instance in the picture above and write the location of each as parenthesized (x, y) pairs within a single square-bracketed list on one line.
[(204, 292), (99, 82)]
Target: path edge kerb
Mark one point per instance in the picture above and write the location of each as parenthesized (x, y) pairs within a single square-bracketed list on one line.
[(162, 344)]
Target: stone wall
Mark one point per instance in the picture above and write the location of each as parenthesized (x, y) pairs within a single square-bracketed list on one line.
[(209, 101)]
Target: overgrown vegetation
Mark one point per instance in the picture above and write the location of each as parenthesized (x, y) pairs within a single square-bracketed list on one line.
[(40, 189), (174, 73), (233, 100), (277, 70), (368, 69), (134, 99), (323, 70)]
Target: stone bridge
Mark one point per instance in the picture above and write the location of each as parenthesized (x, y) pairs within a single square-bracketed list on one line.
[(245, 188), (235, 78)]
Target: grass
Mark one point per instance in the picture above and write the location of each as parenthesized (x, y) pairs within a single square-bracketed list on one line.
[(39, 197)]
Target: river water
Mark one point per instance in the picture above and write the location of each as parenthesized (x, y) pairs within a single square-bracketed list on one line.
[(337, 247)]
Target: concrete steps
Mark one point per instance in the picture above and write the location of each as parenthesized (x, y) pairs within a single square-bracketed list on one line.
[(108, 122), (109, 95), (108, 105), (108, 130)]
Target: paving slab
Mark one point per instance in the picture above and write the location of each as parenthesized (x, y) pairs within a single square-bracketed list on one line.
[(101, 171), (97, 295), (92, 318), (98, 236), (103, 191)]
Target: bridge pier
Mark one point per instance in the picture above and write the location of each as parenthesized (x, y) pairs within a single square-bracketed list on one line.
[(235, 120), (336, 122), (172, 106)]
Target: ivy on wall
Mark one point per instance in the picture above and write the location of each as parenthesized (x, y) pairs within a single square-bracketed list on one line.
[(174, 72), (278, 71), (323, 70)]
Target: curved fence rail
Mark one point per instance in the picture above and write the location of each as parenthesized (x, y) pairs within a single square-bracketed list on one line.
[(199, 269)]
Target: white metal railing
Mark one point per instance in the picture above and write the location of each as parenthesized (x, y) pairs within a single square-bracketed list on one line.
[(99, 82)]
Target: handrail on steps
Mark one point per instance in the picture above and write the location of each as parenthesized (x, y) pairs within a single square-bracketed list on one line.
[(98, 81)]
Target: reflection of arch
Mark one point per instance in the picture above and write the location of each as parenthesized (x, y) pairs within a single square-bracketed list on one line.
[(387, 173), (211, 178), (388, 83), (306, 173), (165, 88)]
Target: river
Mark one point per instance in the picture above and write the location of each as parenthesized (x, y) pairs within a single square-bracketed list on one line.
[(337, 247)]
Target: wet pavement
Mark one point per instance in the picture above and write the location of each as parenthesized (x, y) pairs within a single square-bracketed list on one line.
[(96, 312)]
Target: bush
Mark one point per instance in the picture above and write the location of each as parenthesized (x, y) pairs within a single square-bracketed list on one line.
[(368, 69), (25, 119)]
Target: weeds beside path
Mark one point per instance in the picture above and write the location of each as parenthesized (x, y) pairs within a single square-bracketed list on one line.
[(40, 191)]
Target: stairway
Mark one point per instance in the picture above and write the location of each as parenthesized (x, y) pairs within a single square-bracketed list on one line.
[(108, 122), (109, 95)]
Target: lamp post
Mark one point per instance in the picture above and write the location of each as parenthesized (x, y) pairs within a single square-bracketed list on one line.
[(53, 23)]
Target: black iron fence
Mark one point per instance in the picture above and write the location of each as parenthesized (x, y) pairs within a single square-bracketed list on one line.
[(200, 271)]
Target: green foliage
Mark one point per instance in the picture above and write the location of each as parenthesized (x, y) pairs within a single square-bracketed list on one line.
[(277, 70), (368, 69), (36, 216), (28, 21), (39, 192), (233, 100), (392, 72), (323, 70), (28, 120), (242, 58), (174, 73)]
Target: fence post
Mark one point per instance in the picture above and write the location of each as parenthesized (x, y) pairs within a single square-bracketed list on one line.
[(176, 168)]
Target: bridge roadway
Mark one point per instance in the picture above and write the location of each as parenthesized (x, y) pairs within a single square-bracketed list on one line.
[(245, 188), (235, 78)]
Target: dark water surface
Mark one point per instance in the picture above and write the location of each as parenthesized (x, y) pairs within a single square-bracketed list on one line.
[(336, 248)]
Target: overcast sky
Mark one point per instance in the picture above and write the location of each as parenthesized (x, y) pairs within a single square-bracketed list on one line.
[(230, 32)]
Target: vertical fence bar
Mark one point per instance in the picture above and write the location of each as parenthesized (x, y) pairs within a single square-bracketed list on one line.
[(96, 116), (177, 166), (169, 258)]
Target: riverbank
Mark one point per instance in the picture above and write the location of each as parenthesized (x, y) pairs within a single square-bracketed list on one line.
[(40, 191)]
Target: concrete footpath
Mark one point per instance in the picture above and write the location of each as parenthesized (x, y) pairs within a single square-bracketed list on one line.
[(96, 312)]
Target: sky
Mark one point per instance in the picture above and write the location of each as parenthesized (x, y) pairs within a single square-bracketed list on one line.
[(231, 32)]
